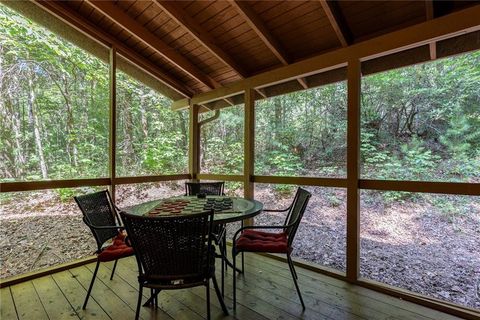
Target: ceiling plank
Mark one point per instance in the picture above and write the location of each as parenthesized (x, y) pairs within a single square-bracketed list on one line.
[(175, 11), (117, 15), (337, 21), (261, 30), (256, 23), (445, 27), (81, 24), (430, 14)]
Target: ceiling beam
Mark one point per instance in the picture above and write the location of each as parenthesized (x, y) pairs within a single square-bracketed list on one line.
[(430, 14), (81, 24), (261, 30), (337, 21), (117, 15), (445, 27), (256, 23), (175, 12)]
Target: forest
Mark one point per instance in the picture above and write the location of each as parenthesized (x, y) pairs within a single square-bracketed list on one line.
[(420, 122)]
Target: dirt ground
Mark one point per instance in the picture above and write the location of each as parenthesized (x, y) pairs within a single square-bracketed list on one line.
[(411, 244)]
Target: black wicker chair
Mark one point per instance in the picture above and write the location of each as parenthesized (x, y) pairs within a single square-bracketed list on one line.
[(219, 231), (207, 188), (100, 215), (173, 252), (252, 240)]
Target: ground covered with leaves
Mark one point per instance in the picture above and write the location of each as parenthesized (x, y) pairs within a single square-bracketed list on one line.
[(426, 244)]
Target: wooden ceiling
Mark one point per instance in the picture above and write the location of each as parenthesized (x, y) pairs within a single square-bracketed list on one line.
[(196, 46)]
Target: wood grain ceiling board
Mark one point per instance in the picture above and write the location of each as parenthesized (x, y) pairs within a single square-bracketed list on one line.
[(148, 15), (304, 35), (81, 6), (282, 10), (261, 6), (138, 8), (186, 45), (205, 10), (240, 42), (125, 4), (75, 4), (365, 18)]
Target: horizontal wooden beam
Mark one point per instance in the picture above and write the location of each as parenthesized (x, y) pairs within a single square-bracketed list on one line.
[(57, 184), (51, 184), (459, 188), (146, 179), (223, 177), (302, 181), (59, 10), (118, 16), (454, 24)]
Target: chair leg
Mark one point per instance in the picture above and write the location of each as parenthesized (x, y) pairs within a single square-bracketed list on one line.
[(113, 270), (139, 302), (291, 265), (207, 285), (293, 272), (234, 273), (223, 276), (225, 249), (153, 298), (243, 258), (91, 285), (220, 298), (243, 265)]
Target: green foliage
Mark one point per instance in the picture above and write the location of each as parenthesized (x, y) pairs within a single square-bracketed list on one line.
[(417, 123)]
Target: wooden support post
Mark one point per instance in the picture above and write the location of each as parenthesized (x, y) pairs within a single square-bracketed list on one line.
[(194, 144), (249, 146), (353, 169), (113, 118)]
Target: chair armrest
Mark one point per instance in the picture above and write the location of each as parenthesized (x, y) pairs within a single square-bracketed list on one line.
[(102, 227), (278, 210)]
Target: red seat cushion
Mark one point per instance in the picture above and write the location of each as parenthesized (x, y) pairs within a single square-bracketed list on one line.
[(118, 249), (259, 241)]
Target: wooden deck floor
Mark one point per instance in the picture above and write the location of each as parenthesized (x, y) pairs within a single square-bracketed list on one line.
[(266, 292)]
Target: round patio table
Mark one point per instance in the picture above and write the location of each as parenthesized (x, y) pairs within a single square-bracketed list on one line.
[(241, 208)]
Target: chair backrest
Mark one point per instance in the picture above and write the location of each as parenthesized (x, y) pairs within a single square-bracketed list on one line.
[(207, 188), (295, 214), (171, 248), (98, 210)]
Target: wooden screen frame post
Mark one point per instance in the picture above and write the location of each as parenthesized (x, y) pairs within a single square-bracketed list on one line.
[(113, 118), (194, 143), (249, 147), (353, 169)]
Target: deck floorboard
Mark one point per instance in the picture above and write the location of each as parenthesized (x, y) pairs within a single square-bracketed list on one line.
[(266, 291)]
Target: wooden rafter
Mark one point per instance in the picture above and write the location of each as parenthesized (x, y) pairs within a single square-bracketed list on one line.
[(79, 23), (179, 15), (256, 23), (454, 24), (431, 15), (337, 22), (201, 35), (117, 15)]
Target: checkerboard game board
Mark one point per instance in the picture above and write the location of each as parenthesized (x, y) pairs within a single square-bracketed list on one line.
[(192, 205)]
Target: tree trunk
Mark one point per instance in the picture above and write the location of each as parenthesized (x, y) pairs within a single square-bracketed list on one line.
[(144, 121), (36, 128)]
